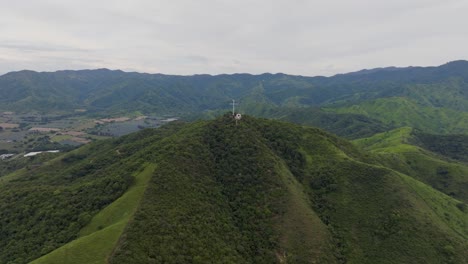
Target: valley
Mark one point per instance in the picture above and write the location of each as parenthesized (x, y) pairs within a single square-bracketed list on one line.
[(26, 135)]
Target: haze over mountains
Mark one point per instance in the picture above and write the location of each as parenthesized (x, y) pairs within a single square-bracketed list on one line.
[(256, 191)]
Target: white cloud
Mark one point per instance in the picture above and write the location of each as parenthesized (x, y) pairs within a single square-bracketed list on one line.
[(217, 36)]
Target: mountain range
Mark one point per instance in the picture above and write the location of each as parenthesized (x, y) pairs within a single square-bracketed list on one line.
[(434, 99)]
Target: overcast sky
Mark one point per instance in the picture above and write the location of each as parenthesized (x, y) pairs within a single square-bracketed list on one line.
[(227, 36)]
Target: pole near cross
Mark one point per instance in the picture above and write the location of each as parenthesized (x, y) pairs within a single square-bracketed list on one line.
[(234, 106)]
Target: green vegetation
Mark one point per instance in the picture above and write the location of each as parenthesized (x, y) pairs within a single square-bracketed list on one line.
[(193, 210), (374, 216), (328, 202), (17, 162), (353, 105), (452, 146), (396, 150), (261, 191), (402, 111), (99, 237), (304, 237), (393, 141), (343, 124), (42, 208)]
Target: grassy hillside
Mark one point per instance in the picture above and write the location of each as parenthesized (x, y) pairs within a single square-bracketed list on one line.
[(260, 191), (99, 237), (346, 191), (396, 149), (45, 207), (402, 111)]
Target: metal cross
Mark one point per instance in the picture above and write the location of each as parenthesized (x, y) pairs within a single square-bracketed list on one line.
[(234, 106)]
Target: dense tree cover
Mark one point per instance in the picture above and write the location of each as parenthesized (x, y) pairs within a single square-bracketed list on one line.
[(345, 125), (350, 193), (218, 196), (356, 105), (245, 168), (452, 146), (212, 199), (44, 207), (13, 164), (261, 191)]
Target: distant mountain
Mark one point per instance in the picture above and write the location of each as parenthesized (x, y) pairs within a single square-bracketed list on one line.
[(436, 98), (261, 191)]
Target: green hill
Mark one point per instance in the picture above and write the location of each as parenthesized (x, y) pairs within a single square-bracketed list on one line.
[(409, 151), (261, 191), (327, 203), (452, 146), (98, 238), (402, 111)]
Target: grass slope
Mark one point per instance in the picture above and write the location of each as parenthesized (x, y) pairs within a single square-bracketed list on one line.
[(402, 111), (304, 237), (396, 150), (123, 208), (444, 206), (377, 217), (99, 237), (44, 207), (393, 141)]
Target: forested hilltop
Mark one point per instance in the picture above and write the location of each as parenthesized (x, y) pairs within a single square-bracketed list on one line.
[(359, 104), (261, 191)]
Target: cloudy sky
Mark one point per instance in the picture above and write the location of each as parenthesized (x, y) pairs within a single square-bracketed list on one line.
[(306, 37)]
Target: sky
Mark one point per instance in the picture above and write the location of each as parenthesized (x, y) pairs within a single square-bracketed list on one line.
[(219, 36)]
